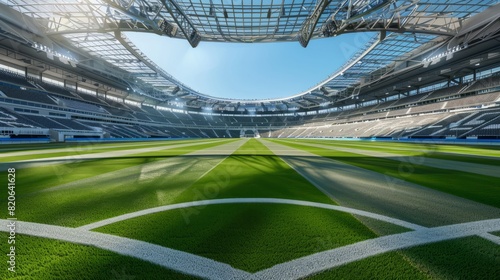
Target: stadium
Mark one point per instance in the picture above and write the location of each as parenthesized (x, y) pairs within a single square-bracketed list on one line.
[(116, 169)]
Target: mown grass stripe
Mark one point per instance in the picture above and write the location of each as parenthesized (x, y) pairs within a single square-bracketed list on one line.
[(252, 201), (110, 196), (253, 171), (360, 188), (482, 169), (41, 177), (151, 152), (426, 151), (83, 150), (481, 150), (250, 236), (480, 188), (54, 147)]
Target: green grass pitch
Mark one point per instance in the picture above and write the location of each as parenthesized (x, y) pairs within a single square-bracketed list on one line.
[(77, 185)]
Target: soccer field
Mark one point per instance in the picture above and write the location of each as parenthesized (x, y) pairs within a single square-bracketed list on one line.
[(250, 209)]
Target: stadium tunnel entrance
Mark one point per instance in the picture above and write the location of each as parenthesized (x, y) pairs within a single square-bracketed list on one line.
[(249, 133)]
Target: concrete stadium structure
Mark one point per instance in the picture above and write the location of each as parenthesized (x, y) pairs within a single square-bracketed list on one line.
[(153, 183), (431, 70)]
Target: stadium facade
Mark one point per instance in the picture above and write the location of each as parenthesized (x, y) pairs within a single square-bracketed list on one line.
[(68, 71)]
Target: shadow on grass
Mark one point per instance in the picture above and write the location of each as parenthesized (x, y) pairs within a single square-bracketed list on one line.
[(244, 175), (249, 237)]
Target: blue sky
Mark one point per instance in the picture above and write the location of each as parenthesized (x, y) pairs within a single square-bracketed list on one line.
[(250, 70)]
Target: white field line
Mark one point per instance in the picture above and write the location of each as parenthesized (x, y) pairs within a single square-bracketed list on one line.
[(72, 158), (215, 165), (303, 174), (393, 149), (150, 171), (295, 269), (119, 153), (481, 169), (172, 259), (493, 238), (83, 148), (367, 190), (315, 263), (299, 268), (253, 201)]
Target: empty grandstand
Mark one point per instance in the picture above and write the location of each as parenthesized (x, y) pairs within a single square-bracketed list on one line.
[(435, 76), (387, 169)]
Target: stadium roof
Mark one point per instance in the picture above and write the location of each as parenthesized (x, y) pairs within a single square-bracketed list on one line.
[(90, 33)]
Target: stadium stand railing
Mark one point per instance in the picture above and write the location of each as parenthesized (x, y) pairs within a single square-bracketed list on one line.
[(70, 124), (56, 90), (93, 98), (14, 78), (16, 92), (82, 106)]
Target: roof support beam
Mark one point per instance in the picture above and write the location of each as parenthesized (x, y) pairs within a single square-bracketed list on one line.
[(380, 15), (307, 29), (181, 19), (148, 23)]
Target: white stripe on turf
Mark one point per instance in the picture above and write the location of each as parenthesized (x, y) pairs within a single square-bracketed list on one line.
[(312, 264), (481, 169), (299, 268), (109, 154), (80, 148), (423, 148), (203, 152), (166, 170), (493, 238), (172, 259), (253, 201), (363, 189)]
